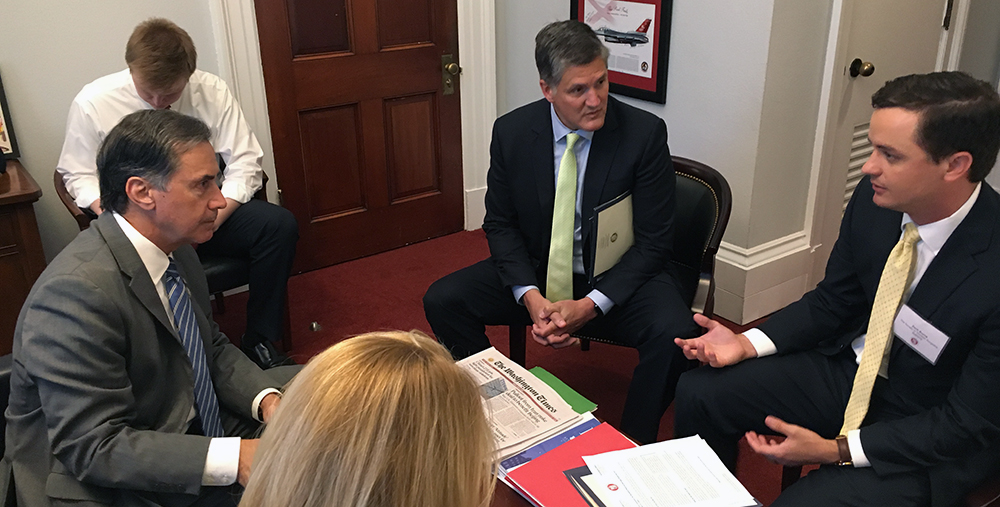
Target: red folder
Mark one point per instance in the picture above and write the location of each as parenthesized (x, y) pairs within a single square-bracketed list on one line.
[(543, 477)]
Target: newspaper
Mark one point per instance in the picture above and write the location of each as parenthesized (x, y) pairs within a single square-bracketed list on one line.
[(674, 473), (523, 410)]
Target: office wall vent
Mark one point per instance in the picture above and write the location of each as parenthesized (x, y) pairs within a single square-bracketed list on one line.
[(861, 148)]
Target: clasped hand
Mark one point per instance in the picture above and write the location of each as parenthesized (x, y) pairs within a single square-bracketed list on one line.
[(554, 322)]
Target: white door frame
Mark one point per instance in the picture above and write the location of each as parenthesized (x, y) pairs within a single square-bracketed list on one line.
[(238, 49)]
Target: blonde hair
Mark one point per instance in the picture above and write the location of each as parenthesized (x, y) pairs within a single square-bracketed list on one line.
[(379, 420), (161, 52)]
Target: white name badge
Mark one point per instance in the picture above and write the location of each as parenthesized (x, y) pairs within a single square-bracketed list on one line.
[(919, 334)]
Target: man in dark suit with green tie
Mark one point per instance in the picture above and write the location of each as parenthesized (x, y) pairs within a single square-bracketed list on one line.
[(540, 236)]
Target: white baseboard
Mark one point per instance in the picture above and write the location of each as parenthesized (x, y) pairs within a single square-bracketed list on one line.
[(752, 283), (475, 208)]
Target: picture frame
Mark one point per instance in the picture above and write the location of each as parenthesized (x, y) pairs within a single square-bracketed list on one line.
[(637, 34), (8, 143)]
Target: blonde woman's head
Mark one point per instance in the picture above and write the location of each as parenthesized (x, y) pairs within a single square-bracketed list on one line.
[(379, 420)]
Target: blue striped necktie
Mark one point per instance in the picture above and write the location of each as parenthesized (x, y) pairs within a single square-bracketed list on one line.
[(187, 328)]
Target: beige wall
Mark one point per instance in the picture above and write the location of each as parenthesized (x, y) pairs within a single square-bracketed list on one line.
[(49, 49)]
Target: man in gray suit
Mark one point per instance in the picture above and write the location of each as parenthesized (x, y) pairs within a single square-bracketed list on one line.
[(123, 389)]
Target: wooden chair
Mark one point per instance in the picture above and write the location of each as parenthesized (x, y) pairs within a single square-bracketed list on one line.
[(704, 202), (223, 273)]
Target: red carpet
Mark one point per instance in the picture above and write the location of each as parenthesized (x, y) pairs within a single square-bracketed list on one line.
[(384, 292)]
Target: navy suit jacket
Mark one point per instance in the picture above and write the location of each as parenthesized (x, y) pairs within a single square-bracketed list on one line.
[(954, 428), (629, 153)]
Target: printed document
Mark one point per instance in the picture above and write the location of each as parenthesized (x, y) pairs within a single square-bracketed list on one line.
[(675, 473), (522, 409)]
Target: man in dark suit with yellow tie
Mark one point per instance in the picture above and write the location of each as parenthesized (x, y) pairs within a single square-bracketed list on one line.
[(890, 368), (551, 163)]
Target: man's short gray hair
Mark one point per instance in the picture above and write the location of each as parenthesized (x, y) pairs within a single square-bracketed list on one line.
[(147, 144), (566, 44)]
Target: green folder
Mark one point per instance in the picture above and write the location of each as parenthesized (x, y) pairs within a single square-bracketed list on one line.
[(579, 404)]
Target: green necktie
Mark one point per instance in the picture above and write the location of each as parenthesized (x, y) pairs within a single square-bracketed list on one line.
[(896, 277), (559, 279)]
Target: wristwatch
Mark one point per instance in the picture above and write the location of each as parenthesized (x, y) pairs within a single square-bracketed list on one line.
[(844, 449)]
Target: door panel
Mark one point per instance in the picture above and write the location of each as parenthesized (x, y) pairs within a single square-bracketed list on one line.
[(332, 157), (412, 160), (367, 149), (402, 23), (318, 26)]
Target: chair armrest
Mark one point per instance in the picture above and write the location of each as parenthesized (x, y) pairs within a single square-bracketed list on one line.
[(701, 293)]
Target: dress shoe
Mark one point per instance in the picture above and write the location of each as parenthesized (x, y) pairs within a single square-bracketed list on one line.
[(266, 356)]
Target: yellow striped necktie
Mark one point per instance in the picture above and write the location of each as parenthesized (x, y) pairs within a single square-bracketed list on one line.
[(559, 278), (896, 277)]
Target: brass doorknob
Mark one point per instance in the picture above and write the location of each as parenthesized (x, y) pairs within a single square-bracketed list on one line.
[(452, 68), (865, 69)]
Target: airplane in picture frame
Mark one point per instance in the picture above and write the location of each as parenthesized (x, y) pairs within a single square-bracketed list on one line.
[(632, 38)]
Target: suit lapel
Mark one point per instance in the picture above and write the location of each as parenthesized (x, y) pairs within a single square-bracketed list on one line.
[(602, 155), (542, 159), (957, 259), (131, 266)]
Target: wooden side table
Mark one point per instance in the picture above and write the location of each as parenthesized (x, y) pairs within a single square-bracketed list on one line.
[(21, 256)]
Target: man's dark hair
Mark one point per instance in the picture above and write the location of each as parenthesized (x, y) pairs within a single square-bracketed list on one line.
[(565, 44), (147, 144), (957, 113)]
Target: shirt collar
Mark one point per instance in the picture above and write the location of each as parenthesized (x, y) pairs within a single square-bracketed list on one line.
[(152, 257), (559, 130), (935, 234)]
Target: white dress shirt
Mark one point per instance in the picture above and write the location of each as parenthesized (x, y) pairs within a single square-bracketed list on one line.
[(103, 103), (932, 238), (582, 150), (222, 462)]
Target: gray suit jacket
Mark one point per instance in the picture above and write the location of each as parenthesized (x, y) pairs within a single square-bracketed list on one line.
[(101, 388)]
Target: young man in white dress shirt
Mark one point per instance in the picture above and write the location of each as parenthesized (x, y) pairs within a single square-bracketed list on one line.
[(162, 74)]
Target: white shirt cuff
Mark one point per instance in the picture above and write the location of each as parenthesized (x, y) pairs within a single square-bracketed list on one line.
[(520, 291), (761, 343), (236, 191), (601, 300), (222, 462), (857, 453), (255, 406), (86, 197)]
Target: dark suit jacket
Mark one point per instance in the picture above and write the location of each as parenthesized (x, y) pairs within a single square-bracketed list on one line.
[(101, 387), (629, 153), (956, 403)]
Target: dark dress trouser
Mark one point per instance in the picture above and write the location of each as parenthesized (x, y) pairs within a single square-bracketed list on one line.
[(460, 305), (808, 389), (264, 234)]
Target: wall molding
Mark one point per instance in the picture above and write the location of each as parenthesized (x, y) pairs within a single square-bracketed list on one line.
[(750, 258), (477, 56), (238, 48)]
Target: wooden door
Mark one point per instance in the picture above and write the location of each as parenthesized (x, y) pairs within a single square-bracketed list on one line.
[(367, 146)]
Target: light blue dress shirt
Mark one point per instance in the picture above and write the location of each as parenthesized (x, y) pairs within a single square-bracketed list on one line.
[(582, 148)]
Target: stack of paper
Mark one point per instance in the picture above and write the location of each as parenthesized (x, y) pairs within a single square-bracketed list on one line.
[(542, 480), (675, 473), (555, 453), (523, 410)]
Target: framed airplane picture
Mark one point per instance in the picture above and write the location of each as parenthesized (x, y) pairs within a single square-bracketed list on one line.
[(637, 34)]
